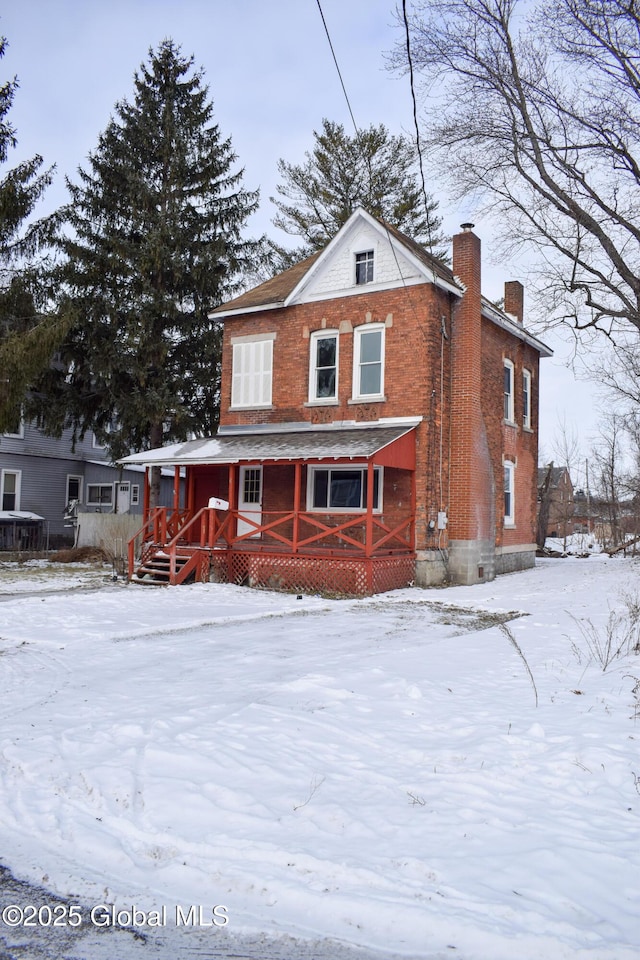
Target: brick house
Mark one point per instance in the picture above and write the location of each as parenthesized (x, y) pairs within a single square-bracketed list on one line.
[(378, 427), (556, 506)]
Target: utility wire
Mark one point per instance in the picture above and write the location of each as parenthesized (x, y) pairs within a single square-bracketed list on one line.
[(335, 60), (424, 194), (415, 115)]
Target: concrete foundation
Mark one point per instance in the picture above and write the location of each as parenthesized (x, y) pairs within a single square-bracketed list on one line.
[(472, 561), (431, 568), (512, 559)]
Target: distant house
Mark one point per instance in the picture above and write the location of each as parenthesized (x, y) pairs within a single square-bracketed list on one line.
[(46, 487), (556, 504), (378, 427)]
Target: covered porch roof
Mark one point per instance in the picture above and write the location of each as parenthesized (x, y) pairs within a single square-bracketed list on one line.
[(388, 444)]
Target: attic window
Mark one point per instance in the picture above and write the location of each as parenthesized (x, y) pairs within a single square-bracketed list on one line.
[(364, 267)]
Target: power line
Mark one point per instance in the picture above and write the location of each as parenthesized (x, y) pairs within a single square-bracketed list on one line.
[(415, 113), (335, 60)]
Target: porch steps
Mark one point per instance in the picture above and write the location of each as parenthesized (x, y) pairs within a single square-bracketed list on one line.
[(154, 572)]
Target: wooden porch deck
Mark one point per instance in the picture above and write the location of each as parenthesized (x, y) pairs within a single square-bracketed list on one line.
[(330, 554)]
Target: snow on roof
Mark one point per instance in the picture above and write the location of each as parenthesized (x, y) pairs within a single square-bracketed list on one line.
[(7, 515)]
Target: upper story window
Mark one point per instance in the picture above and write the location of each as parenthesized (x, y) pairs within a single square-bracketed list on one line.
[(323, 366), (342, 489), (508, 391), (526, 399), (10, 489), (509, 494), (252, 370), (17, 431), (364, 267), (368, 361)]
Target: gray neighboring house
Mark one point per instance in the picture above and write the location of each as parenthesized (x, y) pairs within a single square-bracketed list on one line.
[(46, 488)]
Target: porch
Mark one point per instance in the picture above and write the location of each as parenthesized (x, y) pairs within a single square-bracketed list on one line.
[(342, 525), (337, 555)]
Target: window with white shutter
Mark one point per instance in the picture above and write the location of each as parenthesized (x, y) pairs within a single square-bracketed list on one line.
[(252, 371)]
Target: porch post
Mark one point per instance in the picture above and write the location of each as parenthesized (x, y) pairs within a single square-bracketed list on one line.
[(369, 523), (176, 489), (232, 497), (297, 476), (191, 489), (145, 495)]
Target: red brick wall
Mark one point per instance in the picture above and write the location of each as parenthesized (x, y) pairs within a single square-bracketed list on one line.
[(417, 361), (472, 480), (506, 441), (459, 465)]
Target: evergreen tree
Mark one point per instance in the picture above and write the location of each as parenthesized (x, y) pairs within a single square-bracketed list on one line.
[(153, 244), (372, 169), (27, 335)]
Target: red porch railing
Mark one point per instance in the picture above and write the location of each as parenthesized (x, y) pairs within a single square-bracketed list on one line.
[(183, 538)]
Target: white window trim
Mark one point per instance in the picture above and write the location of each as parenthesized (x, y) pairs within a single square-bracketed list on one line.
[(527, 381), (251, 388), (357, 336), (311, 471), (508, 405), (359, 253), (510, 468), (18, 476), (80, 479), (135, 494), (16, 436), (96, 503), (313, 356)]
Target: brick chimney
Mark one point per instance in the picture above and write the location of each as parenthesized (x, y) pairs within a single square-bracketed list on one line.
[(472, 502), (514, 299)]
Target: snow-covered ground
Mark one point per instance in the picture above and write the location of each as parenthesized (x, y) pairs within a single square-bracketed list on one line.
[(385, 772)]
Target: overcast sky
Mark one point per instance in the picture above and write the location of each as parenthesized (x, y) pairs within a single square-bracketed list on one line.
[(271, 78)]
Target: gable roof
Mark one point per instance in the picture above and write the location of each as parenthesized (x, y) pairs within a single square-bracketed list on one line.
[(556, 475), (283, 289), (270, 294), (287, 288)]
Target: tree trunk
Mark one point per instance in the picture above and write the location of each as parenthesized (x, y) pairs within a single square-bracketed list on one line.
[(155, 439)]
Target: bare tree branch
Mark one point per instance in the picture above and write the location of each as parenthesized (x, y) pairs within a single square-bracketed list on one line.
[(533, 110)]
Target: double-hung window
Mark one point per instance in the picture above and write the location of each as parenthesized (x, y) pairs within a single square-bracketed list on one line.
[(508, 391), (323, 366), (509, 494), (10, 482), (368, 361), (252, 370), (526, 399), (74, 489), (364, 267), (340, 488)]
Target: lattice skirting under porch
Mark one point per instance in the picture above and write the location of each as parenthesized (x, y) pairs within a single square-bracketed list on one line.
[(348, 577)]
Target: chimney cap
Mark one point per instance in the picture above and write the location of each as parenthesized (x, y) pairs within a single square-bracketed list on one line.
[(467, 227)]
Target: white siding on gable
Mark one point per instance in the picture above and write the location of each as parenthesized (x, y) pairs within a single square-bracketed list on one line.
[(337, 274)]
